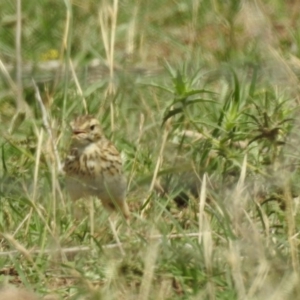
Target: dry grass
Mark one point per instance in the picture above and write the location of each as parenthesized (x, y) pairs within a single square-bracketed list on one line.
[(202, 98)]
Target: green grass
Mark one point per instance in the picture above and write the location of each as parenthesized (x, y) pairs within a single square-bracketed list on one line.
[(201, 98)]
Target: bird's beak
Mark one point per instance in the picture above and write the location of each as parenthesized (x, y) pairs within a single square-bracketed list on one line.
[(78, 131)]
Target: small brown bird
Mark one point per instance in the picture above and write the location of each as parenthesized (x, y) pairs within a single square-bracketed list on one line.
[(94, 167)]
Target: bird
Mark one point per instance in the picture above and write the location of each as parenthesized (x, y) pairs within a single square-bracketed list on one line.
[(93, 166)]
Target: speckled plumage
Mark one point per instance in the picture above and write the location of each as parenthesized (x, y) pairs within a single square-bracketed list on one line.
[(94, 167)]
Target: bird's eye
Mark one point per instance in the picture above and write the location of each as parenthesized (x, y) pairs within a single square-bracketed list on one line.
[(92, 127)]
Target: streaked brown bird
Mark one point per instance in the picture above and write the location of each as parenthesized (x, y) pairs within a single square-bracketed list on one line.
[(93, 166)]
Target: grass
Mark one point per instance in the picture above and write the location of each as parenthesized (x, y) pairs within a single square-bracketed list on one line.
[(201, 98)]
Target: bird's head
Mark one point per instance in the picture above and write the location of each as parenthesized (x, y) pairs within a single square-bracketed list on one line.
[(86, 129)]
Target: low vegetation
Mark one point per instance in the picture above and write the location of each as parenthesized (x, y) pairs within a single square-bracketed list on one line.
[(201, 98)]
